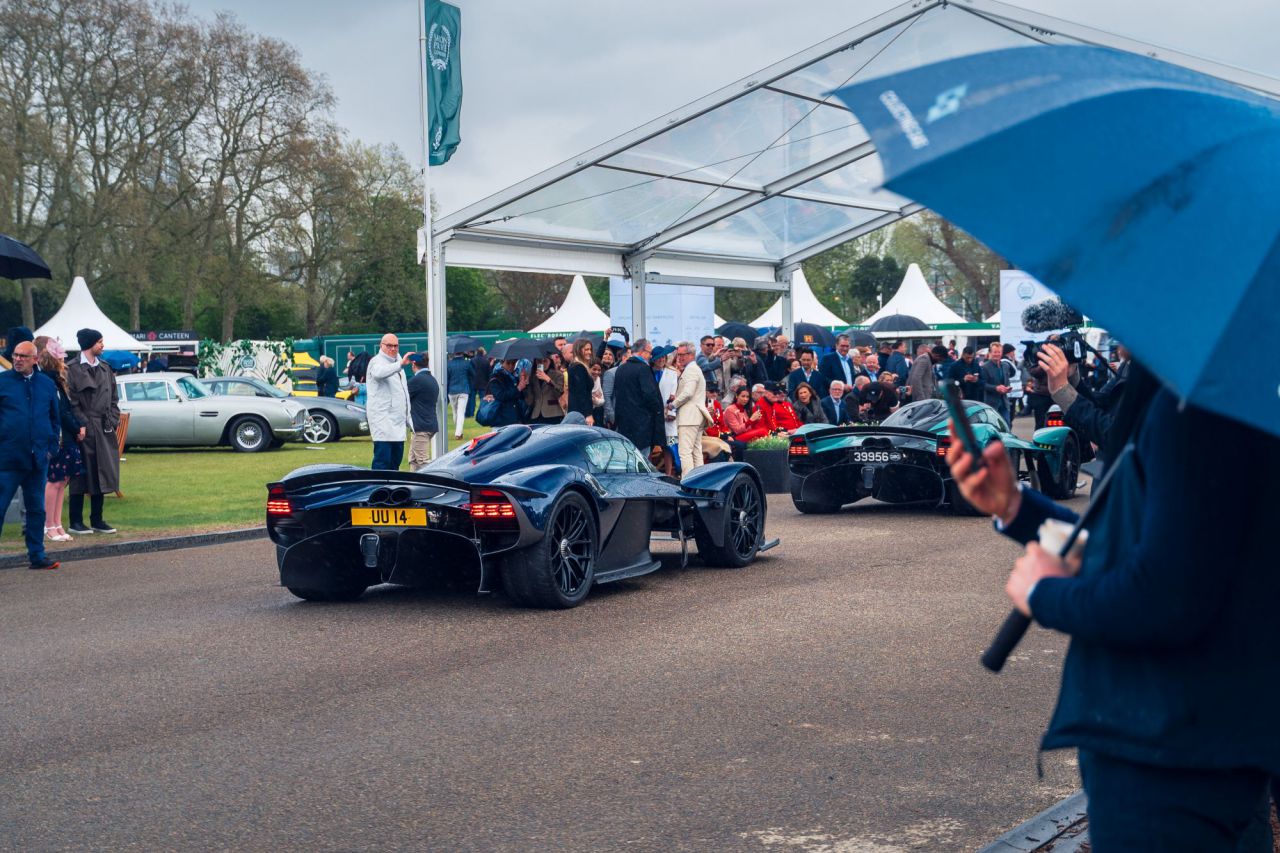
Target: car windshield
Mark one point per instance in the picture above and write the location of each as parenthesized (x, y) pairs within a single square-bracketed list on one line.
[(192, 389), (921, 415), (270, 389)]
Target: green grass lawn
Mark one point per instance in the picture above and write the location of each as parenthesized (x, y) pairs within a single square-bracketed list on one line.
[(170, 491)]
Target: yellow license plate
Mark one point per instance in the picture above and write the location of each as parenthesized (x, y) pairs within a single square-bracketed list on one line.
[(389, 517)]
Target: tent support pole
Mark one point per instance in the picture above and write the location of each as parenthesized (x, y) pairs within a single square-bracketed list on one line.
[(635, 269), (788, 325)]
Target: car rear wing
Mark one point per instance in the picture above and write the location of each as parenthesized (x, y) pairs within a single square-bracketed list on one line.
[(296, 482)]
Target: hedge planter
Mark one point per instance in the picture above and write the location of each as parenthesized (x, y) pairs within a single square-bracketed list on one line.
[(775, 471)]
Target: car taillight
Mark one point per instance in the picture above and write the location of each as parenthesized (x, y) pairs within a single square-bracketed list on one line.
[(493, 508), (944, 444), (799, 447), (1054, 419), (277, 502)]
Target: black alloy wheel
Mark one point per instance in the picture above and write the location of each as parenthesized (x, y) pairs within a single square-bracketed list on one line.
[(743, 527), (559, 570), (1061, 484)]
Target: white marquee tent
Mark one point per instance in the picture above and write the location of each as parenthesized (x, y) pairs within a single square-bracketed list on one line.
[(805, 307), (915, 299), (79, 311), (578, 312)]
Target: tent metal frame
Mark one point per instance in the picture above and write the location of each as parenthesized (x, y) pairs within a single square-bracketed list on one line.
[(469, 240)]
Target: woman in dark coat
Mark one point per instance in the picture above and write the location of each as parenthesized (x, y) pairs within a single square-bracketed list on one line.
[(504, 387), (807, 406), (580, 382)]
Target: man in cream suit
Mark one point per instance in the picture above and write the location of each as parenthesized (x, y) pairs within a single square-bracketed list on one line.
[(691, 408)]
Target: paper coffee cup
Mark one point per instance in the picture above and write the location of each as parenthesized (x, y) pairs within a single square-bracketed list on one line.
[(1054, 533)]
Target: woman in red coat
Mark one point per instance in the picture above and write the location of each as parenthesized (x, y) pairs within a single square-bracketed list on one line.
[(743, 420)]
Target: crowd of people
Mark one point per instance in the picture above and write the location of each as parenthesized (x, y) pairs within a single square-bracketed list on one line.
[(689, 403)]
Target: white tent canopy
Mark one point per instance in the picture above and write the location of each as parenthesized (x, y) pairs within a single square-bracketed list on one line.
[(805, 307), (578, 312), (994, 318), (79, 311), (915, 299)]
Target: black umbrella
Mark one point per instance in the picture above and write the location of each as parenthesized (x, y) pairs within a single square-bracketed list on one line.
[(899, 323), (18, 260), (518, 348), (462, 343), (739, 330), (860, 337), (813, 335), (596, 339)]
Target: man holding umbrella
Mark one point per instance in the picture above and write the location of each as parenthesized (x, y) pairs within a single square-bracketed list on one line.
[(1169, 689)]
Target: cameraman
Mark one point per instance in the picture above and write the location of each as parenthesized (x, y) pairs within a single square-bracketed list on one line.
[(1168, 688), (1089, 413)]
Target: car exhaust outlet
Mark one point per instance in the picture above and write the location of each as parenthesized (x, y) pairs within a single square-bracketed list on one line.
[(369, 550), (868, 477)]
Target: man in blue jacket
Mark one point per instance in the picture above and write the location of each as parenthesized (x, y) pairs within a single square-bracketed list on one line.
[(29, 433), (1168, 689)]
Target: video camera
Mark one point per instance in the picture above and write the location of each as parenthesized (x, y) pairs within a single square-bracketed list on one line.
[(1048, 316), (1071, 342)]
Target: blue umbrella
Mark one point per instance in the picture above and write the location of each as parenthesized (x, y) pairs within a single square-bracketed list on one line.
[(120, 360), (1146, 194)]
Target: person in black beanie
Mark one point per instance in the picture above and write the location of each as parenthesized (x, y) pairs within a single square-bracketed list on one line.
[(91, 385)]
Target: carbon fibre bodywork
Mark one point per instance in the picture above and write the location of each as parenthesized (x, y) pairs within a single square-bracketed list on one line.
[(903, 459), (488, 506)]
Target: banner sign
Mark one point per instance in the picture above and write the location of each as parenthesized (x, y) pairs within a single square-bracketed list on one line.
[(164, 335), (673, 312), (1018, 290), (444, 79)]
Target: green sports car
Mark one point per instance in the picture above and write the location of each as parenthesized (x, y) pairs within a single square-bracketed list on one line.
[(903, 459)]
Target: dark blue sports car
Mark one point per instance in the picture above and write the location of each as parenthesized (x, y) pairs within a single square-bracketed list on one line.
[(546, 511)]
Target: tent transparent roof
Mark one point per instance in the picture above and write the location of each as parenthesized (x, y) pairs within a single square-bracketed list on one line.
[(747, 182)]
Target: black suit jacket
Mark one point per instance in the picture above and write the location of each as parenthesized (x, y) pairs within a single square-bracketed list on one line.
[(837, 411), (831, 368), (637, 405), (816, 380)]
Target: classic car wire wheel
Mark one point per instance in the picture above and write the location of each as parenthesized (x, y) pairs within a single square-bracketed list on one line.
[(744, 517), (571, 559)]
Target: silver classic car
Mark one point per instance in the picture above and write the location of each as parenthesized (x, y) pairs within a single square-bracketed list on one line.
[(328, 418), (174, 409)]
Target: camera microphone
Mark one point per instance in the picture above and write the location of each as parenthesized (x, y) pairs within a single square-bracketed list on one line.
[(1049, 316)]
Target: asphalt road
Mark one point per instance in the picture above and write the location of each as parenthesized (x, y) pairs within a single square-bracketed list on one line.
[(827, 698)]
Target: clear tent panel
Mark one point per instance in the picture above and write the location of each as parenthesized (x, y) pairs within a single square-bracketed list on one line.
[(749, 142), (938, 34), (605, 205), (772, 229), (858, 183)]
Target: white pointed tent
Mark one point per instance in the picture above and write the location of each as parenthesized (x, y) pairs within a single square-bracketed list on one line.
[(915, 299), (578, 312), (994, 318), (805, 307), (79, 311)]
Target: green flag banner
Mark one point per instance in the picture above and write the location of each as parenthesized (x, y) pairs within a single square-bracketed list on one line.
[(444, 80)]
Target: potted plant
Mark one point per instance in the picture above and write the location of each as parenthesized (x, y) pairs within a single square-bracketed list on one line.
[(768, 455)]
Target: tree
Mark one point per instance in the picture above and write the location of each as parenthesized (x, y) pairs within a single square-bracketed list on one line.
[(950, 253)]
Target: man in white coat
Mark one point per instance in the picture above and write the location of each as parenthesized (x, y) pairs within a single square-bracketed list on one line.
[(691, 408), (387, 404)]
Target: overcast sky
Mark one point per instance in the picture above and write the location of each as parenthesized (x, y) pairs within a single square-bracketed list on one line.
[(547, 79)]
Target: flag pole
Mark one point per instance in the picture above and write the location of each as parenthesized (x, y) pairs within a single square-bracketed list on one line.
[(435, 297)]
